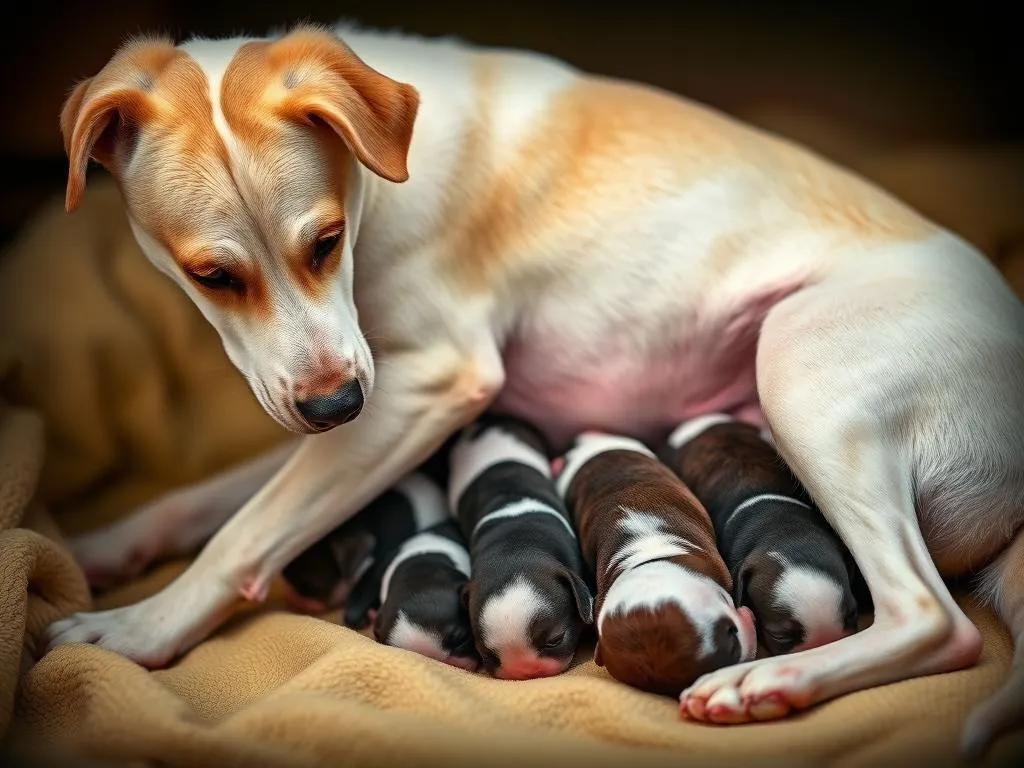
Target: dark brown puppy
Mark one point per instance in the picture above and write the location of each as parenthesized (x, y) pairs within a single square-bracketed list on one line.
[(665, 615)]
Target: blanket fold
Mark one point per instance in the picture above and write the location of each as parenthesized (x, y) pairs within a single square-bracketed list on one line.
[(137, 397)]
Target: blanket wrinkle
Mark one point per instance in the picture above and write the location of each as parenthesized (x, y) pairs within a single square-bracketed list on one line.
[(137, 397)]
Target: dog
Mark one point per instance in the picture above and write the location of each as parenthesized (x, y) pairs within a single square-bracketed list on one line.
[(393, 235), (322, 577), (664, 611), (416, 593), (527, 598), (786, 563)]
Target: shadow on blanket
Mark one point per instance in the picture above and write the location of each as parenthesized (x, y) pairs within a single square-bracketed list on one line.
[(137, 397)]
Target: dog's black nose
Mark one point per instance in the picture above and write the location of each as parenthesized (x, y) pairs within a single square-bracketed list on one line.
[(331, 410)]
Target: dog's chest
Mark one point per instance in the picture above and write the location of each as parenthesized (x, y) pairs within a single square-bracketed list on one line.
[(629, 372)]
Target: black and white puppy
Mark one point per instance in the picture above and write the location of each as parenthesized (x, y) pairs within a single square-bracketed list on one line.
[(527, 598), (787, 564), (322, 577), (418, 589)]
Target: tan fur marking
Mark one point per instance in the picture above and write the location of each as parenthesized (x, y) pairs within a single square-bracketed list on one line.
[(310, 75), (570, 168), (154, 96)]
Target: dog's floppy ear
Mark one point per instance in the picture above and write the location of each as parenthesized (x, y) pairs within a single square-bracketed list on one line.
[(580, 591), (464, 595), (597, 654), (104, 111), (324, 81)]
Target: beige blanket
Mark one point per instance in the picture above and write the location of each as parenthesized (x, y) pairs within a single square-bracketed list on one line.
[(136, 397)]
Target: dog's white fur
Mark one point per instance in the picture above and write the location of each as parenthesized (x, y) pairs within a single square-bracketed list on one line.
[(588, 255)]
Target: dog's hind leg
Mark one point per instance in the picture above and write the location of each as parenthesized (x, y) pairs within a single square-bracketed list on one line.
[(1002, 584), (851, 377), (175, 524)]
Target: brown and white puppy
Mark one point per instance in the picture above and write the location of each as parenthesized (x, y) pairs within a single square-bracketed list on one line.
[(322, 577), (528, 600), (664, 612), (787, 564), (520, 251)]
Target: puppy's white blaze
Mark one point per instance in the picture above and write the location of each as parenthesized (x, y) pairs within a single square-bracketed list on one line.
[(589, 445), (647, 540), (809, 596), (653, 584), (688, 430), (426, 497), (471, 458), (421, 544), (520, 508), (507, 615), (411, 636)]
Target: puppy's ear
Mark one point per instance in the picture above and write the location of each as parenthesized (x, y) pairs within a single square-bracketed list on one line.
[(597, 654), (464, 594), (324, 81), (350, 550), (580, 591), (105, 112), (740, 584), (365, 594), (379, 630)]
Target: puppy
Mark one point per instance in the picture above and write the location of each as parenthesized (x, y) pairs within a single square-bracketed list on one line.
[(527, 599), (786, 562), (419, 589), (322, 577), (664, 616)]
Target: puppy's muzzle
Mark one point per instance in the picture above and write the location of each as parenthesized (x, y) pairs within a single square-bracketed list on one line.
[(327, 411)]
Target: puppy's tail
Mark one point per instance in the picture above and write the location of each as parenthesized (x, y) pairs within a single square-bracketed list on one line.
[(1003, 584)]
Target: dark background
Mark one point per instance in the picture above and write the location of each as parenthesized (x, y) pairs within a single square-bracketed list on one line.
[(881, 71)]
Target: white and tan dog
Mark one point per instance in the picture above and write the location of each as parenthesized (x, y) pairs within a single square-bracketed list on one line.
[(407, 232)]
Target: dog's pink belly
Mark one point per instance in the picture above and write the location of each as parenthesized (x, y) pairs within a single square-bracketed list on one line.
[(630, 380), (643, 396)]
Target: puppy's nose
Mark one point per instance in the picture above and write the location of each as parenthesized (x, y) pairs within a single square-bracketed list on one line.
[(327, 411)]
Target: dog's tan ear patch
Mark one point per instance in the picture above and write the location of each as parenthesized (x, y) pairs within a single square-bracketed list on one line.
[(312, 76), (116, 98)]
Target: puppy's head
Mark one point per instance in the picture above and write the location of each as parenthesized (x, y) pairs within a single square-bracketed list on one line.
[(431, 619), (242, 169), (662, 626), (528, 624), (798, 606), (322, 576)]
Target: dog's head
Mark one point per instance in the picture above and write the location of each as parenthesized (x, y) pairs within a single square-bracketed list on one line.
[(242, 166)]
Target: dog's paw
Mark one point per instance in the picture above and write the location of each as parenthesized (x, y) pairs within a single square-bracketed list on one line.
[(128, 631), (767, 689)]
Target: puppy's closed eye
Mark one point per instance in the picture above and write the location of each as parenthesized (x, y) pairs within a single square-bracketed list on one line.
[(554, 641)]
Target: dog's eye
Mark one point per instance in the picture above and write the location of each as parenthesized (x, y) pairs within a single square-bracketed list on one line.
[(217, 279), (555, 641), (323, 248)]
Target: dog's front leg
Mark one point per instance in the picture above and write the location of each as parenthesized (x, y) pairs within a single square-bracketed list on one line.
[(422, 397)]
